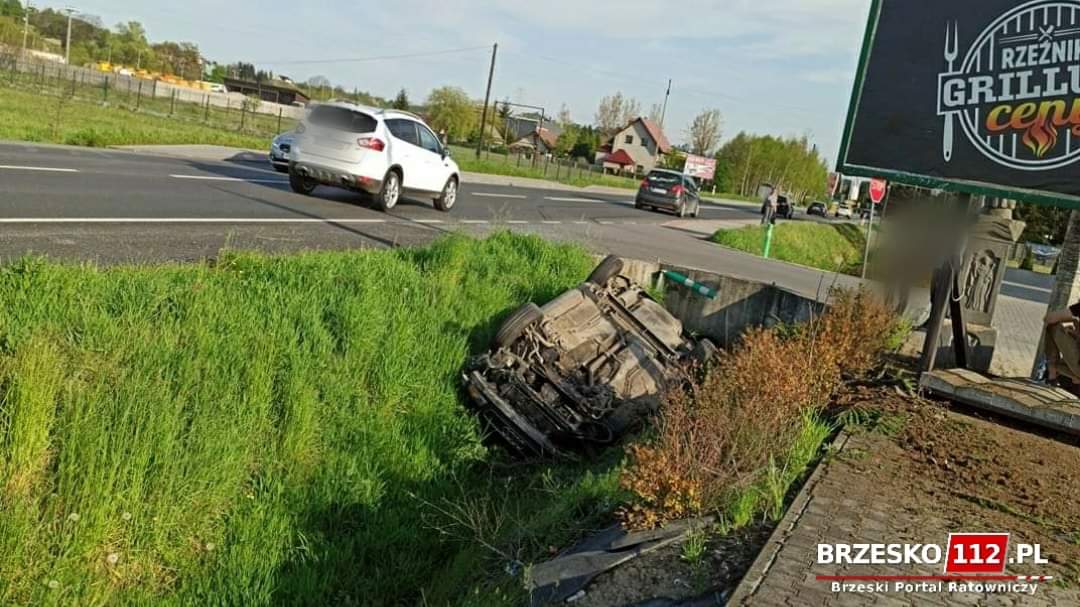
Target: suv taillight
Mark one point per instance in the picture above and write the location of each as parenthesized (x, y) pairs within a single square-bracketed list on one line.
[(644, 183), (371, 143), (677, 190)]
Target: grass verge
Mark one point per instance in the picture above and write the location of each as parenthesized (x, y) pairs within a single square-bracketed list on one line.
[(49, 116), (831, 247), (272, 430)]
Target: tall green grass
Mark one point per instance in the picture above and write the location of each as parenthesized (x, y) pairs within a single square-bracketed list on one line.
[(271, 430)]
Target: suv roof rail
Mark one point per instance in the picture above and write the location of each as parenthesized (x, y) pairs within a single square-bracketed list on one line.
[(403, 112)]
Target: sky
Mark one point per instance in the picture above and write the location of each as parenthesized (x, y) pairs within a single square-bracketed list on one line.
[(780, 67)]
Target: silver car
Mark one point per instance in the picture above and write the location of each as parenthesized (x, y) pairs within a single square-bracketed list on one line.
[(280, 150)]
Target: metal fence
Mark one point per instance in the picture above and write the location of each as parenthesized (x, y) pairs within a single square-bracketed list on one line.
[(230, 111)]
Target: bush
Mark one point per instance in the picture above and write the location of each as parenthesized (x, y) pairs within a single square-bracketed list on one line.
[(716, 439)]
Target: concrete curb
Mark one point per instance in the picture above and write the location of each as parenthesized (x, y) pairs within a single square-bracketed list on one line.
[(744, 592)]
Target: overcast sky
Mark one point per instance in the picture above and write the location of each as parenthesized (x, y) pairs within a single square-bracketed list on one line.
[(783, 67)]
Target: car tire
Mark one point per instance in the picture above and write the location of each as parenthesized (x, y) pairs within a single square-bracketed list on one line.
[(638, 205), (697, 210), (515, 325), (301, 185), (390, 193), (610, 267), (681, 211), (449, 195)]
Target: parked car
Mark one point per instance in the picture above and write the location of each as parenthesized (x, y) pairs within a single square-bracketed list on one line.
[(817, 208), (582, 370), (671, 191), (280, 150), (784, 208), (844, 210), (382, 153), (218, 88)]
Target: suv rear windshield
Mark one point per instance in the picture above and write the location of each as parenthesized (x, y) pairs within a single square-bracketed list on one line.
[(664, 179), (342, 119)]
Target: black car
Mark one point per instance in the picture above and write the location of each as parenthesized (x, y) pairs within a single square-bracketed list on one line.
[(671, 191), (817, 208), (784, 208)]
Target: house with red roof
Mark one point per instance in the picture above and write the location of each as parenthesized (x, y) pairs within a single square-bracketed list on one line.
[(635, 148), (541, 141)]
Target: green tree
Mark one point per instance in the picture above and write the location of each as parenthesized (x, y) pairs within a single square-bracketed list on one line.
[(450, 109), (401, 102), (567, 141), (675, 161), (11, 8), (217, 73)]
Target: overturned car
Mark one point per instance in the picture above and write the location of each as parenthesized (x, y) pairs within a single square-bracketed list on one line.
[(582, 370)]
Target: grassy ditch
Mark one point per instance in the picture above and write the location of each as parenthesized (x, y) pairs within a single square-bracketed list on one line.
[(270, 430), (830, 247), (54, 116), (289, 430)]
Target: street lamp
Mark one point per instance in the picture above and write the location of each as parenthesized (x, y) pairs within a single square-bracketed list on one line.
[(67, 48)]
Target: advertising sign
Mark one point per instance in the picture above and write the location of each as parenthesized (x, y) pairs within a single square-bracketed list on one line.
[(700, 167), (878, 188), (979, 96)]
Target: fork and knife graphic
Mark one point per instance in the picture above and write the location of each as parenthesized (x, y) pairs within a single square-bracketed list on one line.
[(952, 51)]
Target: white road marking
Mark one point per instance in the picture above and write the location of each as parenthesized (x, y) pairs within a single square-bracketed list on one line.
[(581, 223), (552, 223), (473, 221), (231, 179), (517, 222), (1024, 286), (429, 221), (490, 195), (606, 223), (13, 220), (12, 167), (557, 199)]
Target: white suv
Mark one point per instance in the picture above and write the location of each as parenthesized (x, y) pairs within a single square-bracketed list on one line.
[(381, 152)]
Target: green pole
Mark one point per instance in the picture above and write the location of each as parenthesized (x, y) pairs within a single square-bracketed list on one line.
[(768, 239), (691, 284)]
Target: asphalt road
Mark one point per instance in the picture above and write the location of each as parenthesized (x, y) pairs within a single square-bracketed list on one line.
[(119, 206)]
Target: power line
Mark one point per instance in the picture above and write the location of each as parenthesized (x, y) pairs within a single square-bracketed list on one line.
[(692, 90), (374, 58)]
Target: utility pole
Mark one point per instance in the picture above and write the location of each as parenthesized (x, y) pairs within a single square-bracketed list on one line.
[(663, 112), (67, 47), (487, 99), (26, 26)]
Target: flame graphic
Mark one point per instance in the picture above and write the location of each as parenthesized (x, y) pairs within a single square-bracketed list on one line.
[(1041, 138)]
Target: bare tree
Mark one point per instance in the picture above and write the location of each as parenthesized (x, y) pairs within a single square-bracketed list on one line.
[(656, 113), (564, 117), (705, 132), (616, 111)]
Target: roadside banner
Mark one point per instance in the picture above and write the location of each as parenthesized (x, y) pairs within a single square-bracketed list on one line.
[(878, 187), (977, 96), (700, 167)]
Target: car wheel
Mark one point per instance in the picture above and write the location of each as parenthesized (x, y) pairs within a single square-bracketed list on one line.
[(449, 195), (611, 266), (300, 184), (697, 210), (390, 192), (681, 212), (638, 205), (516, 325)]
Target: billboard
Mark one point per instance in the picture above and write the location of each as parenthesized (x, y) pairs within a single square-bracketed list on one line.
[(979, 96), (700, 167)]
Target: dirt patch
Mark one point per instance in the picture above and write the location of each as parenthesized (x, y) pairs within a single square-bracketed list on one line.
[(926, 468), (665, 576), (975, 472)]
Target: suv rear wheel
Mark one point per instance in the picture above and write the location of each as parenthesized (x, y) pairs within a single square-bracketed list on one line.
[(390, 192), (611, 266), (446, 201), (516, 324), (300, 184)]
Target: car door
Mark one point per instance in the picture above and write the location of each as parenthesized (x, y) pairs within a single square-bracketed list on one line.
[(406, 151), (437, 170), (694, 197)]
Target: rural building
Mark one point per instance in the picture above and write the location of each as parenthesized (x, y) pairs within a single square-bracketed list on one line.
[(542, 141), (635, 148), (275, 91)]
